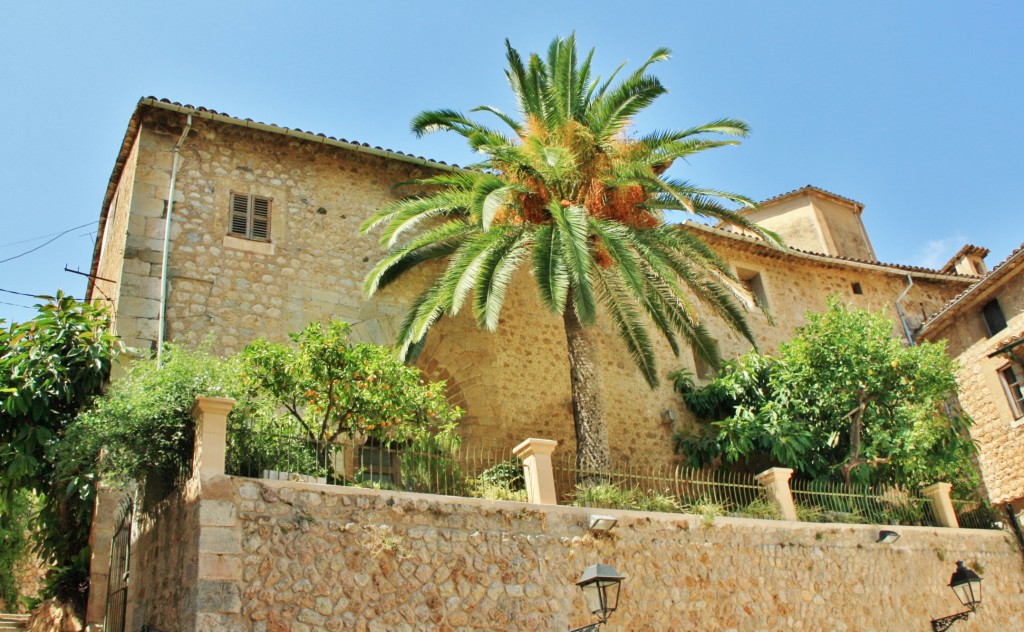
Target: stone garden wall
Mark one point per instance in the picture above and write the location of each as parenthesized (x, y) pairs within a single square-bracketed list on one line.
[(251, 555), (307, 557)]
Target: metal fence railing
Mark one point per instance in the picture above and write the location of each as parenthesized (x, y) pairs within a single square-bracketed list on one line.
[(671, 488), (492, 472), (433, 469), (827, 501), (977, 514)]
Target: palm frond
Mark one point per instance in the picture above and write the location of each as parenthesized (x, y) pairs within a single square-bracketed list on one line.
[(549, 269), (505, 118), (496, 274), (611, 113), (422, 314), (523, 87), (629, 324), (408, 214), (571, 225), (464, 268), (435, 244), (614, 237)]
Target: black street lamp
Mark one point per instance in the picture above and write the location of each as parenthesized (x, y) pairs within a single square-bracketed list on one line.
[(967, 586), (600, 586)]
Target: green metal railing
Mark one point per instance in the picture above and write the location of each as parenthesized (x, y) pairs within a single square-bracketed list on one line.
[(827, 501), (676, 489), (440, 470), (977, 514)]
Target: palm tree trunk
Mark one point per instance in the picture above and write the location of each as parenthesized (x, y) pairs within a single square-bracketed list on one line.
[(592, 453)]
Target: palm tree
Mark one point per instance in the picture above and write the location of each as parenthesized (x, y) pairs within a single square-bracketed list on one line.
[(570, 191)]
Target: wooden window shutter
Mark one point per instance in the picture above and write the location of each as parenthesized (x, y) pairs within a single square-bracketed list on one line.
[(260, 219), (240, 215)]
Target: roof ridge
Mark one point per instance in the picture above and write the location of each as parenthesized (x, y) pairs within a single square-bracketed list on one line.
[(897, 266), (273, 127)]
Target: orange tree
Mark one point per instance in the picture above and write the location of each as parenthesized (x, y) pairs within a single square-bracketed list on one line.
[(333, 388), (570, 191)]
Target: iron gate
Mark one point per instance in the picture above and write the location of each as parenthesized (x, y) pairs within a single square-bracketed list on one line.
[(117, 580)]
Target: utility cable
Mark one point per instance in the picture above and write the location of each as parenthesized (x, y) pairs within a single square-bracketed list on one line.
[(14, 305), (46, 243), (21, 293), (25, 241)]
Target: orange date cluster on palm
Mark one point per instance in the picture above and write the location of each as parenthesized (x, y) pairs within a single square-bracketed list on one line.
[(622, 204)]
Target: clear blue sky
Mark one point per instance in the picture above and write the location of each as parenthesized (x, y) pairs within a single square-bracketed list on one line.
[(912, 108)]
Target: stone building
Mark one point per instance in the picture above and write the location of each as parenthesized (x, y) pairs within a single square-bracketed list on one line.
[(984, 330), (218, 226), (264, 239)]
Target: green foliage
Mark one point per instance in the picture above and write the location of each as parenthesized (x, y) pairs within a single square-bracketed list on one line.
[(334, 388), (507, 474), (144, 422), (503, 481), (612, 496), (843, 399), (14, 547), (50, 368), (566, 191)]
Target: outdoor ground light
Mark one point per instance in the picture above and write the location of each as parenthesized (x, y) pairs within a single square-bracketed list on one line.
[(887, 537), (602, 524), (600, 586), (967, 586)]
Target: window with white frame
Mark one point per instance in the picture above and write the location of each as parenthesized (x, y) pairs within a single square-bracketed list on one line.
[(250, 217), (1012, 378)]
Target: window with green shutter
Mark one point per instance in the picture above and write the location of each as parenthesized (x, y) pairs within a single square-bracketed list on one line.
[(250, 216)]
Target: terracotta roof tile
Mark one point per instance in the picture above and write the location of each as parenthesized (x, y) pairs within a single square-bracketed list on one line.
[(396, 154), (967, 249), (896, 266), (985, 282), (807, 188)]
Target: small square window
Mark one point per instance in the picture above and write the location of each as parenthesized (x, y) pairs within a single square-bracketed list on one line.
[(250, 217), (701, 367), (857, 289), (1013, 385), (993, 316), (752, 280)]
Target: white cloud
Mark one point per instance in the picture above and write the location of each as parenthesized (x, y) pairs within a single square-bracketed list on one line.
[(938, 251)]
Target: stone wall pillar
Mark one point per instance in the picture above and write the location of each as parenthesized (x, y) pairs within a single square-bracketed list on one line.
[(537, 470), (776, 484), (101, 535), (211, 415), (942, 506), (218, 597)]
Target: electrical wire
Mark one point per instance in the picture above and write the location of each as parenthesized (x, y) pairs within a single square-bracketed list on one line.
[(46, 243), (21, 293), (15, 305), (25, 241)]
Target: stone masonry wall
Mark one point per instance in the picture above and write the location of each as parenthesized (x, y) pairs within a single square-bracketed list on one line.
[(164, 565), (327, 558), (1000, 437), (512, 383)]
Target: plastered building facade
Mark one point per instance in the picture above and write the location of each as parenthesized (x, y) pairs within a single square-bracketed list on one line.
[(264, 239)]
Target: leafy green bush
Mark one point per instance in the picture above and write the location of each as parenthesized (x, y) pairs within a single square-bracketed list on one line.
[(843, 400), (335, 388), (14, 546), (612, 496), (503, 481), (759, 508), (144, 422)]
